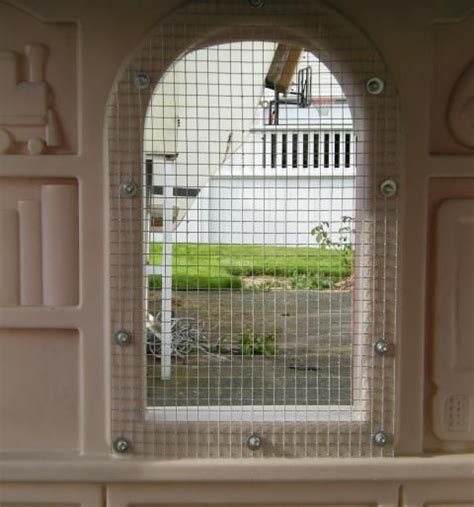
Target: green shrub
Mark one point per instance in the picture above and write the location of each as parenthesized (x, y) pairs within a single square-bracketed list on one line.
[(257, 344)]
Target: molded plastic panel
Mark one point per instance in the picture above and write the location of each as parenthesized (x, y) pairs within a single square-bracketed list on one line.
[(39, 390), (453, 365), (439, 494), (272, 494), (39, 234), (50, 495), (38, 85), (9, 258)]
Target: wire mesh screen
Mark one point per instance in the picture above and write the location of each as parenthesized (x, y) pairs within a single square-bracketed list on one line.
[(252, 155)]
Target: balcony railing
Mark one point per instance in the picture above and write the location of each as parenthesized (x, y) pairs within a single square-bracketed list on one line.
[(308, 149)]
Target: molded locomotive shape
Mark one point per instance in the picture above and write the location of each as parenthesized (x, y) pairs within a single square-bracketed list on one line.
[(38, 83), (28, 104)]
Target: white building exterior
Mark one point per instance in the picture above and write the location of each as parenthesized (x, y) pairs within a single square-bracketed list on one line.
[(236, 178)]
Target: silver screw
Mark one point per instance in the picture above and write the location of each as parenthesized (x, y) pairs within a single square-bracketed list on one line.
[(382, 347), (256, 4), (374, 85), (254, 442), (380, 439), (388, 188), (141, 80), (122, 337), (121, 445), (128, 189)]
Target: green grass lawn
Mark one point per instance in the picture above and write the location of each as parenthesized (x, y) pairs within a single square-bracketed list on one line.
[(214, 266)]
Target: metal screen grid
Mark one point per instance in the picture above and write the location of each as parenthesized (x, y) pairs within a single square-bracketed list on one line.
[(211, 271)]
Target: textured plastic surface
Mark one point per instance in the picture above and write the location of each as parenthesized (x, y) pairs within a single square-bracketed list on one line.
[(424, 75), (39, 391), (39, 230), (453, 363)]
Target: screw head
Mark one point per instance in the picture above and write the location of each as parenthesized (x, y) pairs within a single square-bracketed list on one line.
[(256, 4), (128, 189), (141, 80), (122, 337), (254, 442), (388, 188), (121, 445), (375, 86), (382, 347), (380, 439)]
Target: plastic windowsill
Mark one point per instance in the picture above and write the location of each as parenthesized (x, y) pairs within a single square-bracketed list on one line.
[(130, 469)]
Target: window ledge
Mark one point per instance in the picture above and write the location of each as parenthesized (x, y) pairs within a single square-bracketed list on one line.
[(113, 469)]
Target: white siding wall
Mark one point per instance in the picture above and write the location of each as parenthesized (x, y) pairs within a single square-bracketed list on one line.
[(273, 211), (204, 104), (208, 109)]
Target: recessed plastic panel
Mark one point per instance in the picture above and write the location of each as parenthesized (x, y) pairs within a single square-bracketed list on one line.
[(453, 372)]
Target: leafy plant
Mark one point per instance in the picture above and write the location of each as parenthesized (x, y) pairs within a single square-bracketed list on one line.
[(257, 344), (323, 235), (324, 238), (345, 234), (310, 282)]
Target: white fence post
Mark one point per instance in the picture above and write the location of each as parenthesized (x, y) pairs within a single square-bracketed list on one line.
[(169, 173)]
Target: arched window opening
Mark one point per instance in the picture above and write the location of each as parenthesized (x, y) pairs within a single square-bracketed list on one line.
[(249, 266)]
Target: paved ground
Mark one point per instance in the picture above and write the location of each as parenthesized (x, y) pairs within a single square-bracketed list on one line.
[(311, 364)]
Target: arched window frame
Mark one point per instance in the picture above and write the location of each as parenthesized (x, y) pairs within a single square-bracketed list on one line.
[(353, 61)]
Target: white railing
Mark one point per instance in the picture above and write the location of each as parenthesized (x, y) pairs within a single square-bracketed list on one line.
[(307, 149)]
